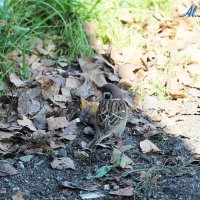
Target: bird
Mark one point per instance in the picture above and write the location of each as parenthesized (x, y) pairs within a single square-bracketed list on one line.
[(111, 116)]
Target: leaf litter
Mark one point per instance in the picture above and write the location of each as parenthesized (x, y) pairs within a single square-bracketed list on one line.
[(45, 108), (6, 169), (63, 163)]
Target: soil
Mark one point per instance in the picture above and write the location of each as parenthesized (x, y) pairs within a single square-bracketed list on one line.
[(173, 173)]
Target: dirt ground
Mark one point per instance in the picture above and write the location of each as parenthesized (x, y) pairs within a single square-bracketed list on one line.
[(171, 174)]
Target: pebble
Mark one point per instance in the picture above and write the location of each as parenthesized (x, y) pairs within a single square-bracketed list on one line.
[(116, 187), (15, 189), (3, 191), (21, 164), (59, 178), (40, 163), (63, 152), (106, 187)]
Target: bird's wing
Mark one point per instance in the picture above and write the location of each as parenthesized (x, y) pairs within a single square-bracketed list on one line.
[(109, 114)]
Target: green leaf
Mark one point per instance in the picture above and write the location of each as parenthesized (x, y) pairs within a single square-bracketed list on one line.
[(104, 170), (100, 172), (20, 28), (26, 158)]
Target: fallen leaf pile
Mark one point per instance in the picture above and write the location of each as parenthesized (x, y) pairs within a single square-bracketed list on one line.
[(54, 108)]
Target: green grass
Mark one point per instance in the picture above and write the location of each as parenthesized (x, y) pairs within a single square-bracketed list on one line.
[(24, 20), (107, 15), (21, 21)]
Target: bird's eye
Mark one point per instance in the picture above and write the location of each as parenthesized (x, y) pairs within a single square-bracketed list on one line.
[(107, 95)]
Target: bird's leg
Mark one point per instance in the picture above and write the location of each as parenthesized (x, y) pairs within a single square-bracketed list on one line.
[(96, 140)]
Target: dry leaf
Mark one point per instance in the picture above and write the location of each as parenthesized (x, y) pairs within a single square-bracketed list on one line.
[(50, 47), (70, 132), (32, 59), (60, 98), (151, 103), (126, 84), (67, 93), (92, 71), (48, 62), (40, 118), (25, 122), (71, 128), (57, 79), (71, 185), (97, 77), (147, 146), (13, 55), (156, 177), (143, 174), (87, 89), (63, 163), (185, 78), (125, 160), (86, 104), (127, 72), (126, 192), (126, 55), (149, 59), (5, 135), (193, 69), (29, 101), (149, 134), (174, 87), (75, 185), (57, 123), (172, 108), (72, 82), (91, 195), (5, 146), (38, 45), (101, 60), (48, 88), (16, 80), (80, 154), (69, 137), (6, 169), (56, 144), (178, 96), (126, 17), (37, 66)]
